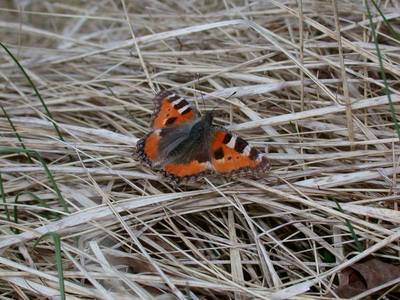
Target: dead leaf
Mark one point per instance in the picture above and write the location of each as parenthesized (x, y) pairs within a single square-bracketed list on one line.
[(365, 275)]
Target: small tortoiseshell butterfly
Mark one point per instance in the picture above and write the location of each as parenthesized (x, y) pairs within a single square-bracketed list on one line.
[(185, 147)]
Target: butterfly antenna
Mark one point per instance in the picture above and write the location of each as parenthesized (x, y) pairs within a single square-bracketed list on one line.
[(201, 95), (204, 104), (203, 101), (231, 95)]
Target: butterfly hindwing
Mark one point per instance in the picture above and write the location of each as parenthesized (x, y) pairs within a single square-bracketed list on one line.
[(176, 153), (226, 154), (186, 171), (186, 150)]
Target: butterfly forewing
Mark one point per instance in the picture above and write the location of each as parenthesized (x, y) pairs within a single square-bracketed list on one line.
[(231, 154), (171, 110)]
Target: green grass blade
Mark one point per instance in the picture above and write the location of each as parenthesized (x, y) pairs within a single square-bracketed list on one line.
[(382, 71), (40, 200), (15, 132), (7, 150), (35, 89), (60, 271), (359, 247), (3, 198), (386, 21)]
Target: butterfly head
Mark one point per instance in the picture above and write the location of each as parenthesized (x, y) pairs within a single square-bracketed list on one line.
[(202, 126), (207, 118)]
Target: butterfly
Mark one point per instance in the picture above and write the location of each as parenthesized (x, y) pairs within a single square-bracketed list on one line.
[(185, 146)]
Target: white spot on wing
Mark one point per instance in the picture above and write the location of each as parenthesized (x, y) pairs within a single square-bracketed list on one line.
[(246, 151), (232, 142), (184, 108), (177, 101), (208, 165)]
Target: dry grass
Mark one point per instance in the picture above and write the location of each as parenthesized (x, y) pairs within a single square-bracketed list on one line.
[(300, 79)]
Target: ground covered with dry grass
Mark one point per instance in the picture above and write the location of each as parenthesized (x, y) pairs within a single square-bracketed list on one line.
[(313, 83)]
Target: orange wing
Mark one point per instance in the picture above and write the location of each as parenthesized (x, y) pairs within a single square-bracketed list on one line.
[(171, 110), (147, 148), (231, 154), (186, 171)]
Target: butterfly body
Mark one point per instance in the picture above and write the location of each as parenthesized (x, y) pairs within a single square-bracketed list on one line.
[(184, 147)]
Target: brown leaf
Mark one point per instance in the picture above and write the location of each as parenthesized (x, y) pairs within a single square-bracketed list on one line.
[(365, 275)]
